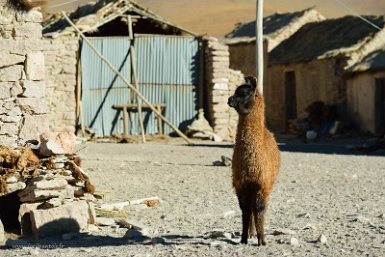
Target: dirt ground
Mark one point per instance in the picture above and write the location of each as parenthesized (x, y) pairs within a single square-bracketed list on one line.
[(319, 191)]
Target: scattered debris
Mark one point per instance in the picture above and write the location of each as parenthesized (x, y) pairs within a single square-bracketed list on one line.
[(282, 231), (135, 234), (57, 143), (229, 214), (294, 242), (103, 221), (322, 239), (217, 234), (309, 226), (48, 186), (225, 161)]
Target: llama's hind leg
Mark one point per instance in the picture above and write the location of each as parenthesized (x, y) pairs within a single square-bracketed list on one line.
[(259, 211), (252, 226)]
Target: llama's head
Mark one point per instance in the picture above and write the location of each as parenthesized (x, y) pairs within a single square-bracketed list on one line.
[(244, 96)]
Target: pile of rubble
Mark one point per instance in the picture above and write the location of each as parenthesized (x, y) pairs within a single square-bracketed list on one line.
[(55, 194)]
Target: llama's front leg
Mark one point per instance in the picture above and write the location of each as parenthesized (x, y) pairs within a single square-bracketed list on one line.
[(246, 215), (245, 204)]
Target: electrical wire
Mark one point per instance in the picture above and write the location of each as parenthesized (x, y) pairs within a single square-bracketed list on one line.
[(342, 3), (61, 4)]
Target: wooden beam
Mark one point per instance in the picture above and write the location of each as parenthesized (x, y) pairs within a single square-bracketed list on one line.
[(129, 85), (259, 46), (134, 77)]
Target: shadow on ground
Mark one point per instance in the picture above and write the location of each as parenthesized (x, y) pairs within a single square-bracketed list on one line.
[(348, 146)]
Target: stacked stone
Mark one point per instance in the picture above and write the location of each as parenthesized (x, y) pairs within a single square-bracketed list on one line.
[(221, 82), (23, 109), (54, 192), (61, 72)]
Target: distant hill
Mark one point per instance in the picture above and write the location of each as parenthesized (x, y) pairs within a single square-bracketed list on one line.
[(218, 17)]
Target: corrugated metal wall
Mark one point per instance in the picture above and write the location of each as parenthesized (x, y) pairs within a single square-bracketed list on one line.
[(167, 68)]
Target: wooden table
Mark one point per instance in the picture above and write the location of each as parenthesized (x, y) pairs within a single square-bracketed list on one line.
[(135, 107)]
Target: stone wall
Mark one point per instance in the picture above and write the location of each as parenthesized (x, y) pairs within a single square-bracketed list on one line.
[(61, 57), (318, 80), (23, 109), (221, 82), (361, 101)]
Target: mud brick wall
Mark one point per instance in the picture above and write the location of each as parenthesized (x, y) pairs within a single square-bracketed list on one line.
[(61, 57), (23, 108), (221, 82)]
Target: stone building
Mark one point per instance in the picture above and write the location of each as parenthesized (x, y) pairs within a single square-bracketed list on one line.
[(310, 66), (175, 69), (23, 108), (276, 28), (365, 89)]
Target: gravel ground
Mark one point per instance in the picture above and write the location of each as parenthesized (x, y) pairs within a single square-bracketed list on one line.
[(340, 197)]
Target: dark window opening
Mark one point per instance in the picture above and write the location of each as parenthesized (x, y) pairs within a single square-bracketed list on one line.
[(290, 96), (379, 110)]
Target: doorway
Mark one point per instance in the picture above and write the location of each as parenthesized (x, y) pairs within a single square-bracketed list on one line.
[(379, 108), (290, 96)]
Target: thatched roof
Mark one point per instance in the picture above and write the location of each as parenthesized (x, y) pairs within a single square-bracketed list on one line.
[(273, 26), (375, 61), (342, 36), (91, 16)]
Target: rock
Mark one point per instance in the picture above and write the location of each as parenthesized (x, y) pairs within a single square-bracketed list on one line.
[(294, 242), (322, 239), (226, 160), (32, 195), (71, 217), (57, 143), (41, 184), (134, 234), (34, 66), (218, 244), (360, 219), (283, 231), (11, 73), (25, 218), (33, 88), (309, 226), (34, 125), (102, 221), (218, 234), (115, 206), (382, 216), (303, 215), (2, 234), (14, 187), (229, 214), (7, 59)]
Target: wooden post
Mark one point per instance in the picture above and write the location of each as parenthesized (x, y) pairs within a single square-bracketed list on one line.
[(129, 85), (259, 46), (134, 77)]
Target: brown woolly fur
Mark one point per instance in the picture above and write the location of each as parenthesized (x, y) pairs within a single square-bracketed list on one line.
[(256, 160)]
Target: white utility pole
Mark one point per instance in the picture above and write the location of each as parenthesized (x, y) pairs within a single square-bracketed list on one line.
[(259, 45)]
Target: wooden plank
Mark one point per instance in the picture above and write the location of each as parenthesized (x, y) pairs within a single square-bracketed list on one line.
[(133, 68)]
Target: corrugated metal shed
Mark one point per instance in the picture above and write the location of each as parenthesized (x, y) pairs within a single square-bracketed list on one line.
[(167, 70)]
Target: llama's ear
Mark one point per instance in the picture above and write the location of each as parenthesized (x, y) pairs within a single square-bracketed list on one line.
[(252, 81)]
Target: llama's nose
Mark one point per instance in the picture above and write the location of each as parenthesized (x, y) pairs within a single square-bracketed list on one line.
[(230, 101)]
